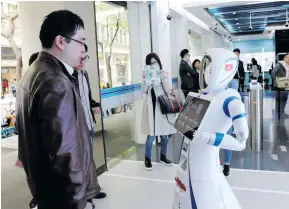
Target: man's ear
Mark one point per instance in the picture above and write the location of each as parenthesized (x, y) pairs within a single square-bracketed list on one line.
[(60, 41)]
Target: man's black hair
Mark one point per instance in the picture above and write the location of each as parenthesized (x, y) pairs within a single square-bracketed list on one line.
[(61, 22), (33, 57), (237, 50), (183, 53)]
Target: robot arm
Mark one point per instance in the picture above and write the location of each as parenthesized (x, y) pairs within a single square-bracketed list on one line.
[(236, 111)]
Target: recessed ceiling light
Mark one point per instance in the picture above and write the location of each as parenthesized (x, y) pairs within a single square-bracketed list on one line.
[(252, 13), (237, 23), (234, 13), (236, 19), (239, 27), (239, 39)]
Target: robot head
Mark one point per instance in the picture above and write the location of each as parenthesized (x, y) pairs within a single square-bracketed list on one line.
[(218, 68)]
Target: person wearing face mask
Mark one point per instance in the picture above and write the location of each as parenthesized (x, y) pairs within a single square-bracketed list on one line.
[(154, 123), (187, 74)]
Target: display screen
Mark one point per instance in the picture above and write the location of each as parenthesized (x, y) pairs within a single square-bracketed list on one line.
[(191, 116)]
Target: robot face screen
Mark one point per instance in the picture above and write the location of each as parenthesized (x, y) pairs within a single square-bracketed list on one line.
[(205, 71)]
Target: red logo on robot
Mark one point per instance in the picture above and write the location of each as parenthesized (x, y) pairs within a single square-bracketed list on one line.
[(229, 67)]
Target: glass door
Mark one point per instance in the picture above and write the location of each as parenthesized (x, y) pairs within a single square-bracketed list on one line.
[(116, 89)]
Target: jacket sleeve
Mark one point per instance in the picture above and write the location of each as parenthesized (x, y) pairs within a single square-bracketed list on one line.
[(188, 69), (275, 71), (60, 139)]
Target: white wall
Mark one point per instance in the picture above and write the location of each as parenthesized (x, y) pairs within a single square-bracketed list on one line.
[(30, 28), (196, 48), (179, 36)]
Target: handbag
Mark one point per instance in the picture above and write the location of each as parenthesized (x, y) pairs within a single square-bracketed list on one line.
[(169, 103), (282, 82)]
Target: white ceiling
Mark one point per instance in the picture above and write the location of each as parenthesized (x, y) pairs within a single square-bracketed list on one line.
[(197, 8)]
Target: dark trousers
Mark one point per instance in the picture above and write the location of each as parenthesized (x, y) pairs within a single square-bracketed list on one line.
[(241, 85)]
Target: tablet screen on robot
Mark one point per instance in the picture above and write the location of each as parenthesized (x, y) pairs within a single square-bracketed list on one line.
[(191, 116)]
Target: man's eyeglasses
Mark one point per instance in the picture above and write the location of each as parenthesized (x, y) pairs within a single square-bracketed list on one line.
[(86, 58), (75, 40)]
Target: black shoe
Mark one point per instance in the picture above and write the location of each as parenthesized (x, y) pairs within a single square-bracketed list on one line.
[(148, 164), (165, 160), (100, 195), (226, 170)]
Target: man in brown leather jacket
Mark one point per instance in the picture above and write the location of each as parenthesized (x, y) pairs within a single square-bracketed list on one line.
[(54, 141)]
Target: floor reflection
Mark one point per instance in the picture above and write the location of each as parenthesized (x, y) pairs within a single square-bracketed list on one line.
[(274, 156)]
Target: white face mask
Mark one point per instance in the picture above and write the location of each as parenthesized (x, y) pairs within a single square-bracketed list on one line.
[(155, 66)]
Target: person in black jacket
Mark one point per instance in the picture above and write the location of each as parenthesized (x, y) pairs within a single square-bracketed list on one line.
[(187, 74), (240, 76)]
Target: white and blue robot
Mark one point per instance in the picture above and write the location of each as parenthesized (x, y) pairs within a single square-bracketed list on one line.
[(200, 183)]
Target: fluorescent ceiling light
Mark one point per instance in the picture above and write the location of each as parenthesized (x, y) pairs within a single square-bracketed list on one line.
[(234, 13)]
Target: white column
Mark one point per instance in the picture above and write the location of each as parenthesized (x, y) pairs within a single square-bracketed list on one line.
[(140, 46), (31, 16), (207, 41), (161, 33)]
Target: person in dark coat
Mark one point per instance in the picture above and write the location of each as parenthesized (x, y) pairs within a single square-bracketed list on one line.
[(54, 142), (187, 74)]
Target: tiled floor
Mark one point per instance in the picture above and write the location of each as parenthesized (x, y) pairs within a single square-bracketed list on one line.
[(130, 186), (274, 156)]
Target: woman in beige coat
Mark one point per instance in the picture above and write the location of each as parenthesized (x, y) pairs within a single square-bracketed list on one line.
[(154, 123)]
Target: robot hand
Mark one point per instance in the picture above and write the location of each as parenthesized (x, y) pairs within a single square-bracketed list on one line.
[(203, 136)]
